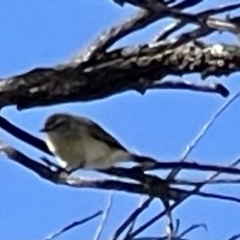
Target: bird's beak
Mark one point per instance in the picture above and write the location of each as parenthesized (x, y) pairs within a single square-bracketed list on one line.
[(43, 130)]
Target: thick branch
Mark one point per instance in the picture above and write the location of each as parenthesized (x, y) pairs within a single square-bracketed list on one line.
[(127, 69)]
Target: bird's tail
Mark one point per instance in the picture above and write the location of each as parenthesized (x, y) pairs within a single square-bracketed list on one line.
[(147, 163), (162, 189)]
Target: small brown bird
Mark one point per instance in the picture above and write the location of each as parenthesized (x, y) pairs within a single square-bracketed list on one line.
[(78, 142)]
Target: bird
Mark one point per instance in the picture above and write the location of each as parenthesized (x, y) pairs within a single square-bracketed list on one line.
[(78, 142)]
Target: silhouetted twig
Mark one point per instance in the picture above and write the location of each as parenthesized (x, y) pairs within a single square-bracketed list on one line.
[(158, 216), (191, 228), (184, 85), (104, 217), (235, 237), (132, 224), (73, 225), (180, 24), (133, 216), (202, 132)]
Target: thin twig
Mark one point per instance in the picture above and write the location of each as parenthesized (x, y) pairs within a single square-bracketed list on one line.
[(184, 85), (157, 217), (73, 225), (136, 22), (198, 181), (195, 166), (141, 201), (24, 136), (173, 27), (191, 228), (104, 217), (131, 218), (235, 237), (202, 132)]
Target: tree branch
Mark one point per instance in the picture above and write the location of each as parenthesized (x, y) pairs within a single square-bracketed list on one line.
[(118, 72)]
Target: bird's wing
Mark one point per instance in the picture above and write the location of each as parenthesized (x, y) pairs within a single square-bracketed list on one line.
[(100, 134)]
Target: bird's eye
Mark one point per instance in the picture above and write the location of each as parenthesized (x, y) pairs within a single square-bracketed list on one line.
[(58, 124), (55, 124)]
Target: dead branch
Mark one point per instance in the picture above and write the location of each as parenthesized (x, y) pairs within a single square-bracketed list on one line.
[(127, 69), (73, 225), (176, 204)]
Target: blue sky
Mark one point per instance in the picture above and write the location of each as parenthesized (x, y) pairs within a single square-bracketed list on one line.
[(160, 123)]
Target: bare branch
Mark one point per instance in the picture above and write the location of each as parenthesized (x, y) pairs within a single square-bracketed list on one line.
[(73, 225), (132, 224), (58, 177), (122, 70), (202, 132), (196, 182), (147, 4), (104, 217), (132, 217), (191, 228), (23, 135), (235, 237), (184, 85), (153, 11), (111, 36), (180, 24), (149, 185), (195, 190)]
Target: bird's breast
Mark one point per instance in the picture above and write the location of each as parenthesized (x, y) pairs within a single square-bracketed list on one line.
[(87, 151), (69, 152)]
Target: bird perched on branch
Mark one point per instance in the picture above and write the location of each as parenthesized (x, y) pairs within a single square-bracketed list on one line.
[(78, 142)]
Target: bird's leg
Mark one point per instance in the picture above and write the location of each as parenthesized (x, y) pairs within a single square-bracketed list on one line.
[(59, 171)]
